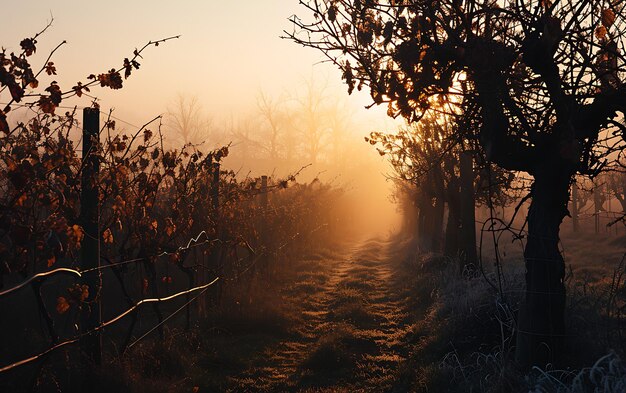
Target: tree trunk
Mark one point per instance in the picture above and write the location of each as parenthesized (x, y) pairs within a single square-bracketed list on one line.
[(575, 207), (541, 324), (424, 234), (622, 202), (468, 214), (453, 226), (451, 247), (437, 225), (439, 193), (622, 199), (597, 206)]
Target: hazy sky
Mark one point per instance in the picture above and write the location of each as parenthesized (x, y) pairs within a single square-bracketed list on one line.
[(228, 52)]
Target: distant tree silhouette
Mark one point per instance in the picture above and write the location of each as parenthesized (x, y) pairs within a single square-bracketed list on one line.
[(340, 123), (311, 109), (186, 121), (544, 91), (309, 125), (617, 188), (275, 118)]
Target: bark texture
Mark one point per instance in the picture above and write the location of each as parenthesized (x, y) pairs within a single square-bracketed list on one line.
[(541, 325)]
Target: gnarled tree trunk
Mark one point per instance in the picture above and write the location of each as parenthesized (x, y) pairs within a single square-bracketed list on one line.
[(468, 214), (541, 325)]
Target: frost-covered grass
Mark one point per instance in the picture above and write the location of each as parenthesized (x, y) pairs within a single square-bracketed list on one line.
[(608, 374), (465, 331)]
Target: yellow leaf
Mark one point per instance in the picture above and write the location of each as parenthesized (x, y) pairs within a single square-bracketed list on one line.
[(51, 260)]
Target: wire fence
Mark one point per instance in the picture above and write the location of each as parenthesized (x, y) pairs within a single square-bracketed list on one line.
[(254, 257), (112, 321), (192, 242)]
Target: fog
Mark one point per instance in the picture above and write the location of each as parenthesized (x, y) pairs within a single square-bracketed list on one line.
[(190, 202), (312, 130), (239, 77)]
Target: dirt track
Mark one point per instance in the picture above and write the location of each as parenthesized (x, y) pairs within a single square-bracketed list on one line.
[(351, 332)]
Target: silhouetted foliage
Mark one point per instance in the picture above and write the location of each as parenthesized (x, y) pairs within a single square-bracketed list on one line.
[(540, 88)]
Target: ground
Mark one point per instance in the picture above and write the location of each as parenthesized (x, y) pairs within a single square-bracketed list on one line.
[(351, 332), (369, 316)]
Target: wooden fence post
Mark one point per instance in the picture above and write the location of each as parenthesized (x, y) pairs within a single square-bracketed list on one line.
[(91, 345), (264, 193), (216, 247), (263, 226), (203, 272), (215, 193)]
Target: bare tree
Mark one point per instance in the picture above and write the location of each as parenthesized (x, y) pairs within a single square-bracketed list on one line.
[(339, 125), (311, 111), (543, 93), (274, 115), (616, 182), (186, 121)]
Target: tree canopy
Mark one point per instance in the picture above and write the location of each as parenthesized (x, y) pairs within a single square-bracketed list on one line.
[(541, 76)]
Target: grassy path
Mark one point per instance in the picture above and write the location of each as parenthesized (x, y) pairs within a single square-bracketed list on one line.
[(350, 332)]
